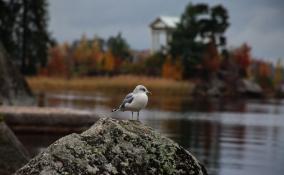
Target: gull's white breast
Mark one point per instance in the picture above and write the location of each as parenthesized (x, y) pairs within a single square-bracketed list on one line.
[(139, 102)]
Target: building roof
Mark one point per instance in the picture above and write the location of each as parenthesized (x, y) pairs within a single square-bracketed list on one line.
[(163, 22)]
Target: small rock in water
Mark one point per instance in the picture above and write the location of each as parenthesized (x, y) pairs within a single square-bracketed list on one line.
[(114, 147)]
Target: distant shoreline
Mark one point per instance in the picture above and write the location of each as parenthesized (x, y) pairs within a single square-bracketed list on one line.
[(123, 83)]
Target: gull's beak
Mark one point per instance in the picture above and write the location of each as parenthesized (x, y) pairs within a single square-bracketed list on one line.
[(148, 92)]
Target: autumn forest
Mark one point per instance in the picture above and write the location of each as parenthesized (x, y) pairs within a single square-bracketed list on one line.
[(198, 51)]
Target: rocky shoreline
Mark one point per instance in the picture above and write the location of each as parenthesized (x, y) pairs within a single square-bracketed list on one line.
[(46, 119)]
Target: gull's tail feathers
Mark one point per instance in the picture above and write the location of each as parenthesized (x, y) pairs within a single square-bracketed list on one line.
[(120, 108)]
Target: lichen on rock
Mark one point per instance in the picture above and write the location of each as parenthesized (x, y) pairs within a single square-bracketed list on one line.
[(114, 147)]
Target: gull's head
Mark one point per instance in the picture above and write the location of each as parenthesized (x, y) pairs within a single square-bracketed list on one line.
[(141, 89)]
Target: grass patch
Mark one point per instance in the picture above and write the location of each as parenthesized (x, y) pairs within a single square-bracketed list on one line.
[(110, 84)]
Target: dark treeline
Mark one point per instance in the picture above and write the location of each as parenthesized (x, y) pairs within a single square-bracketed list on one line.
[(23, 32)]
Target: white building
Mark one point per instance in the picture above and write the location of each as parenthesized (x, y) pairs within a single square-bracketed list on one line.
[(161, 31)]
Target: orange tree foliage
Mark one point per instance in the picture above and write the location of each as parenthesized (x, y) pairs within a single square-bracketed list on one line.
[(262, 73), (265, 70), (243, 58), (172, 70), (96, 56), (82, 51), (57, 65), (108, 62), (90, 57)]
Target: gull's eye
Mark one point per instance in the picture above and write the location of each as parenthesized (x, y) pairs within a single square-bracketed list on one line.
[(143, 89)]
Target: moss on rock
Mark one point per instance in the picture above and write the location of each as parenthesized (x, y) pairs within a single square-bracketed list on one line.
[(115, 147)]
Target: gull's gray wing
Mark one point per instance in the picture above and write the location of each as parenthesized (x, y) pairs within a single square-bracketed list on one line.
[(128, 99)]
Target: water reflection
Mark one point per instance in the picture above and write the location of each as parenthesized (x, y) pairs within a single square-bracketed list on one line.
[(229, 136), (228, 145), (87, 101)]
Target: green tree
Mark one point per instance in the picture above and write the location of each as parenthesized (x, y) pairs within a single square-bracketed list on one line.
[(200, 25), (35, 37), (9, 26), (120, 50), (119, 47)]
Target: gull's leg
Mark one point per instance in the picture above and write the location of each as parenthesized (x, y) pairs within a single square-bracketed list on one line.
[(132, 115), (138, 115)]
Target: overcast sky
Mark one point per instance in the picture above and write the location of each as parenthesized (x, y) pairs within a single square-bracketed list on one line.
[(260, 23)]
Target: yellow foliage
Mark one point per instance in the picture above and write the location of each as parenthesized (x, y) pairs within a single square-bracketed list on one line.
[(278, 73), (96, 55), (108, 62), (58, 63), (82, 51)]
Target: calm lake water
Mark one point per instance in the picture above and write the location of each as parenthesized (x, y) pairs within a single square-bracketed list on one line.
[(229, 136)]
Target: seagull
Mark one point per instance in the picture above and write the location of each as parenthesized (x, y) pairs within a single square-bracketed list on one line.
[(134, 101)]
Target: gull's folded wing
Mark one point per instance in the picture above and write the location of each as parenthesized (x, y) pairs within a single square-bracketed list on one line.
[(128, 99)]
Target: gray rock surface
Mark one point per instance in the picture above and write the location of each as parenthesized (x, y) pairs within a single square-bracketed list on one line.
[(114, 147), (13, 87), (249, 86), (12, 153)]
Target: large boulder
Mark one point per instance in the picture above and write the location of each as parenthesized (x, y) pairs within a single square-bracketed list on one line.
[(13, 87), (12, 153), (114, 147)]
